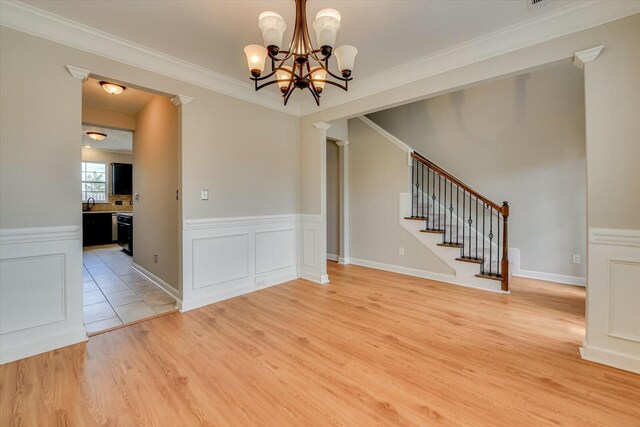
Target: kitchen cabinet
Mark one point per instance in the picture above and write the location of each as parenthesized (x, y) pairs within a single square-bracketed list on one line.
[(121, 179), (97, 228)]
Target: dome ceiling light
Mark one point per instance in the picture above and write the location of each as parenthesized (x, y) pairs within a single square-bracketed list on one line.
[(112, 88), (301, 66), (96, 136)]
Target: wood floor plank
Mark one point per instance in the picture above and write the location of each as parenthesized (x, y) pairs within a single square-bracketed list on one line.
[(370, 348)]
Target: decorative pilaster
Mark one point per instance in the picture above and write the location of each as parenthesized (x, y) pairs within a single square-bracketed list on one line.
[(78, 73), (179, 100), (587, 55)]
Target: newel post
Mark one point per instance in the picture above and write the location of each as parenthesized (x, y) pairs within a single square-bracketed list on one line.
[(505, 248)]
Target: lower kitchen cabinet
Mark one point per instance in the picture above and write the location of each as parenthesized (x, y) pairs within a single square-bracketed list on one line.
[(96, 229)]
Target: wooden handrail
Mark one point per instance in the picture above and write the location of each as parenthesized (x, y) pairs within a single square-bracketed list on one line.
[(456, 181), (502, 210)]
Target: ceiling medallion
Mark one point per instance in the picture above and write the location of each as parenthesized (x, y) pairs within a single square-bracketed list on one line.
[(301, 66)]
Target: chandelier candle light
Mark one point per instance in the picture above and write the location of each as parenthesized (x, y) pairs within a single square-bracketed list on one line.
[(301, 66)]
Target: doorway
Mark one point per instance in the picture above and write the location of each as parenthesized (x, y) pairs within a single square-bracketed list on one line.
[(130, 205)]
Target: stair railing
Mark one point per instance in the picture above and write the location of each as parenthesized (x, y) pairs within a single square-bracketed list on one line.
[(465, 218)]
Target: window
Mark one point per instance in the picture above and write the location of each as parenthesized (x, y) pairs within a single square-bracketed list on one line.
[(94, 182)]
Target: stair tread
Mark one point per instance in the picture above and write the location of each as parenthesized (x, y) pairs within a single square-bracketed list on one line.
[(432, 231), (451, 245), (473, 260), (487, 276)]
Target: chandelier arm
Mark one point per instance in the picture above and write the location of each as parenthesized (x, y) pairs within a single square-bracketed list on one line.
[(288, 94), (258, 87), (316, 96), (343, 87)]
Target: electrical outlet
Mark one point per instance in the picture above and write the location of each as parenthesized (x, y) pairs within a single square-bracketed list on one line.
[(204, 195), (401, 251), (576, 259), (155, 258)]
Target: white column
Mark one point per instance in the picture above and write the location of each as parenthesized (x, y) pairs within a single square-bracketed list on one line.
[(343, 157)]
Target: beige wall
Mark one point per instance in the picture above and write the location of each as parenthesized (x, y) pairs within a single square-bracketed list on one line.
[(246, 155), (155, 181), (40, 136), (102, 117), (520, 139), (333, 199), (377, 176)]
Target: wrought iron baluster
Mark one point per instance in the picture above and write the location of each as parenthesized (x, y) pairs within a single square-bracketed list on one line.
[(469, 221), (422, 207), (433, 201), (484, 211), (464, 205), (457, 214), (498, 257), (439, 202), (451, 212), (476, 232), (444, 235), (490, 238)]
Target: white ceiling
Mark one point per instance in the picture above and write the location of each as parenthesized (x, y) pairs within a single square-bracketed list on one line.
[(116, 140), (212, 34), (130, 101)]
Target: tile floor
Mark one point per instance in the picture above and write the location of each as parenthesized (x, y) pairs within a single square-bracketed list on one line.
[(115, 293)]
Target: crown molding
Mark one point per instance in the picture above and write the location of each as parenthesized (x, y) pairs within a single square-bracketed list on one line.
[(322, 125), (572, 18), (577, 16), (587, 55), (40, 23)]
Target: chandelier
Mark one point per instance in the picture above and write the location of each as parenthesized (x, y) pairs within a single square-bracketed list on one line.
[(301, 66)]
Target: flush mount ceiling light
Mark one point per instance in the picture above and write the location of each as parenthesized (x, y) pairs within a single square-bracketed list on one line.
[(86, 146), (112, 88), (96, 136), (301, 66)]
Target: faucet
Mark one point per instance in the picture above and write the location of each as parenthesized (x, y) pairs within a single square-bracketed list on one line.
[(93, 203)]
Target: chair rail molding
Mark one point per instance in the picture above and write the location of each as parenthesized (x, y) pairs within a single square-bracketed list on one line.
[(40, 290), (587, 55), (613, 325)]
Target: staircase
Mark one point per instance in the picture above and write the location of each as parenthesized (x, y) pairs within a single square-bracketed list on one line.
[(458, 224)]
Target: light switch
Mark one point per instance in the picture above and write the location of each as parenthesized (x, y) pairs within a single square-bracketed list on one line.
[(204, 195)]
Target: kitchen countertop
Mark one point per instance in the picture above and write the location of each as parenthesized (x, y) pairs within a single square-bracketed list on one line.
[(107, 212)]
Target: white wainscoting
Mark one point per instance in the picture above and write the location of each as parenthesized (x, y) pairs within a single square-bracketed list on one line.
[(613, 299), (309, 235), (227, 257), (40, 290)]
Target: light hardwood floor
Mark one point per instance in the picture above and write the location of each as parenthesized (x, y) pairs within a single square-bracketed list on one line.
[(371, 348)]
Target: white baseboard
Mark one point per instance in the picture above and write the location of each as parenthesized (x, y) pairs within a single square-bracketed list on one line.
[(321, 279), (625, 362), (42, 345), (552, 277), (408, 271), (159, 282), (344, 261), (333, 257)]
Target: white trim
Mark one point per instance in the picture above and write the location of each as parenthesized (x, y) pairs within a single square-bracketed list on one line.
[(42, 345), (614, 236), (344, 261), (618, 360), (342, 143), (406, 148), (552, 277), (39, 234), (333, 257), (167, 288), (322, 125), (40, 23), (238, 221), (179, 100), (49, 316), (587, 55), (78, 73), (574, 17), (408, 271)]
